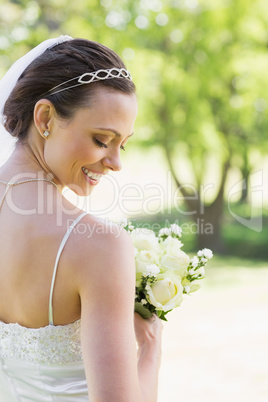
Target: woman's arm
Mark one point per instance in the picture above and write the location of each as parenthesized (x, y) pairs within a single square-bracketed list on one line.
[(106, 279), (148, 335)]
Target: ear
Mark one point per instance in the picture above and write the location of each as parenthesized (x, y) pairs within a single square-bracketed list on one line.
[(43, 115)]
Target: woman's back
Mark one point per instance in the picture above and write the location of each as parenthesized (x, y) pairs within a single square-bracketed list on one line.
[(29, 241)]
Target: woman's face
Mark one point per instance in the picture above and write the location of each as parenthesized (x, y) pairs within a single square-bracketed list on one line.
[(79, 152)]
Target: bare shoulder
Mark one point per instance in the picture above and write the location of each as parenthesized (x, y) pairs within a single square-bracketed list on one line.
[(101, 250), (94, 235)]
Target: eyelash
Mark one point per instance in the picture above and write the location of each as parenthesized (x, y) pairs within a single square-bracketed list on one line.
[(102, 145)]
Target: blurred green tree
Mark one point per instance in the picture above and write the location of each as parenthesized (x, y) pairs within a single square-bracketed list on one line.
[(204, 87), (200, 69)]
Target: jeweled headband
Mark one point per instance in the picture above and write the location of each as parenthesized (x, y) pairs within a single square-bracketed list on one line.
[(8, 82), (87, 78)]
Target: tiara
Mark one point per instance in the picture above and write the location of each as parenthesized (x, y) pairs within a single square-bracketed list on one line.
[(98, 75)]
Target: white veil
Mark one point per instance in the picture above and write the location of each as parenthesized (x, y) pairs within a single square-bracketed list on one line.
[(8, 82)]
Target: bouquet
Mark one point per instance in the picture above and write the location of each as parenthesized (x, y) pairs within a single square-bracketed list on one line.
[(164, 273)]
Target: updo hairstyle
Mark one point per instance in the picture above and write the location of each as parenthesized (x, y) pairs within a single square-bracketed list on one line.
[(55, 66)]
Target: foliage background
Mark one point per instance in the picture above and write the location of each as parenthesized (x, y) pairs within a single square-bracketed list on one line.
[(200, 67)]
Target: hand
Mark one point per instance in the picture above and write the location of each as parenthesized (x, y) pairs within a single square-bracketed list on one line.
[(147, 330)]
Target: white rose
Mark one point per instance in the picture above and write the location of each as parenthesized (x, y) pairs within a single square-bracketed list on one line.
[(178, 262), (166, 293), (173, 258), (144, 258), (144, 239)]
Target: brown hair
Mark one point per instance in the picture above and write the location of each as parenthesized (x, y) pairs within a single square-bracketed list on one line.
[(55, 66)]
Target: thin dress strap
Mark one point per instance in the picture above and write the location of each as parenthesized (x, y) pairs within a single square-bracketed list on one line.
[(63, 242)]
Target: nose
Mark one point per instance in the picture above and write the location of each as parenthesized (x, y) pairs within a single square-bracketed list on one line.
[(112, 162)]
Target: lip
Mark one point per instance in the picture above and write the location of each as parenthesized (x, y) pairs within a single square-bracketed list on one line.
[(91, 181), (95, 171)]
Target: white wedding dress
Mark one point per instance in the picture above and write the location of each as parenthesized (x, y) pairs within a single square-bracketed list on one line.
[(43, 364)]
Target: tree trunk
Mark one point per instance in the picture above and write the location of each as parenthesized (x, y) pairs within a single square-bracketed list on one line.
[(245, 174), (209, 227), (212, 219), (208, 218)]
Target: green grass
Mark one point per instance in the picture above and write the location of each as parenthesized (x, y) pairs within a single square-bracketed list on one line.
[(233, 272), (236, 262)]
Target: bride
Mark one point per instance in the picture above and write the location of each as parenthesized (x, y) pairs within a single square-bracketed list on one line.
[(67, 327)]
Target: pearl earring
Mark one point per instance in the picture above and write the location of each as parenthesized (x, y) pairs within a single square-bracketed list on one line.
[(46, 133)]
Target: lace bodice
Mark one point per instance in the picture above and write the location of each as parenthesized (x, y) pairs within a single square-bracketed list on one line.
[(42, 364), (51, 344)]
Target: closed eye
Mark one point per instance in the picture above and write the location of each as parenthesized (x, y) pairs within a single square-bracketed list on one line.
[(102, 145)]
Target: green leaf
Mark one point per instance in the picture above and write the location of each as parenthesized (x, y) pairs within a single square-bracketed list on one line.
[(162, 314), (142, 311)]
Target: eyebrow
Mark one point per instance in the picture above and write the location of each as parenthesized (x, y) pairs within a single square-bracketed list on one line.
[(113, 131)]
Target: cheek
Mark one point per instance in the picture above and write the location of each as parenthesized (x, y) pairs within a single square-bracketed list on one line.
[(86, 154), (71, 152), (74, 152)]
